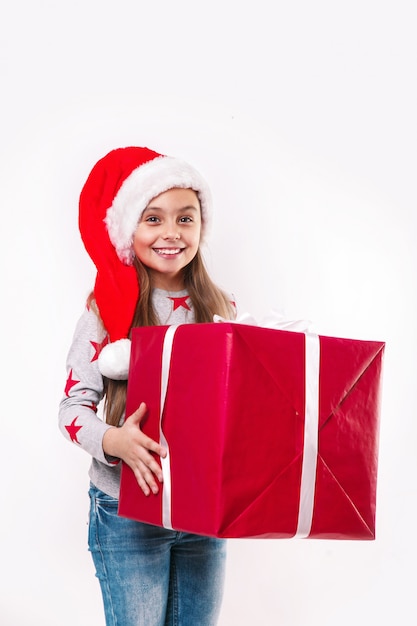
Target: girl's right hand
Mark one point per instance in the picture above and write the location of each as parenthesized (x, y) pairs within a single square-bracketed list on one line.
[(131, 445)]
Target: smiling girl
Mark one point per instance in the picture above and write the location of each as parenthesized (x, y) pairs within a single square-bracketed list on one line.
[(142, 219), (168, 236)]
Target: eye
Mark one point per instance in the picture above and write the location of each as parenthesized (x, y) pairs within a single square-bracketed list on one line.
[(153, 219), (185, 219)]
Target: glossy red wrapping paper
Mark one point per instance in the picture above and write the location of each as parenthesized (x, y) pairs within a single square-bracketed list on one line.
[(234, 422)]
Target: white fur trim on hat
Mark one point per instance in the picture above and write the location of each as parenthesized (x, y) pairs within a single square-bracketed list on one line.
[(145, 183), (114, 359)]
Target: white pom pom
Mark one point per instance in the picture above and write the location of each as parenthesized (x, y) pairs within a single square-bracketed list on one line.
[(113, 361)]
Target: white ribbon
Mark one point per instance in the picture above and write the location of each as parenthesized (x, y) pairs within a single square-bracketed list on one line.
[(274, 319), (311, 435), (165, 462), (311, 423)]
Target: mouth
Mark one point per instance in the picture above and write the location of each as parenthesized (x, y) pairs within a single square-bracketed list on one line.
[(167, 251)]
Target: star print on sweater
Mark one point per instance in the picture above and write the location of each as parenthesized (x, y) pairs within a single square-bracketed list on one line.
[(80, 415), (98, 347), (73, 430), (70, 383), (180, 301)]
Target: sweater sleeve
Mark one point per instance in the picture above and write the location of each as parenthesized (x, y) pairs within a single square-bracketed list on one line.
[(84, 389)]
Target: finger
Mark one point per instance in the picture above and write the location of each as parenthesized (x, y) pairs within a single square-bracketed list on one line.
[(142, 483), (147, 462), (154, 446), (146, 480), (139, 414), (154, 467), (146, 442)]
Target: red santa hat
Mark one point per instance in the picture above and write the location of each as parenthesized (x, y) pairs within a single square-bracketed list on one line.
[(117, 191)]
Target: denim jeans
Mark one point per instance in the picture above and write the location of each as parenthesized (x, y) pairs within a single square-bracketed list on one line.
[(151, 576)]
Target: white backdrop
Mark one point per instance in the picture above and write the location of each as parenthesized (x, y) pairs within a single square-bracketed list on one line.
[(302, 117)]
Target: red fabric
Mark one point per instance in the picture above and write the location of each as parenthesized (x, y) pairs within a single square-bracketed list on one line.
[(234, 421), (116, 287)]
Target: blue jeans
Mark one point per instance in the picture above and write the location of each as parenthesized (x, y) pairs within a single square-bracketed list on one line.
[(151, 576)]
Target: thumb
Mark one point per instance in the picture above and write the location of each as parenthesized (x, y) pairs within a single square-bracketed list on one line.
[(139, 414)]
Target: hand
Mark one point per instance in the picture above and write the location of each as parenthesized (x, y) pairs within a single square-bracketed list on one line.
[(131, 445)]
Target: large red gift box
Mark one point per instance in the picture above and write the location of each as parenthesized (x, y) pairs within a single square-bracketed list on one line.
[(270, 433)]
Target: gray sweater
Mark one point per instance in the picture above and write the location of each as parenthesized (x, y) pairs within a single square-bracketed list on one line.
[(80, 411)]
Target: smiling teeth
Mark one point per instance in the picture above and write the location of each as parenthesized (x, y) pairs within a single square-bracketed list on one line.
[(167, 250)]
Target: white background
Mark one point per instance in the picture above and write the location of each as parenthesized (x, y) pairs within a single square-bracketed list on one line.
[(302, 115)]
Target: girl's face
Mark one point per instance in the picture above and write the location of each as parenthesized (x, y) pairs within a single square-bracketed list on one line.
[(168, 235)]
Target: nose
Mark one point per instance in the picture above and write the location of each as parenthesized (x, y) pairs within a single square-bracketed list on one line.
[(171, 231)]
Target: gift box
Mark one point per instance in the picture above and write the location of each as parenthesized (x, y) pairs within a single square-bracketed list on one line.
[(269, 433)]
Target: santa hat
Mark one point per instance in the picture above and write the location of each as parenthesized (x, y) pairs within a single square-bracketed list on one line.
[(117, 191)]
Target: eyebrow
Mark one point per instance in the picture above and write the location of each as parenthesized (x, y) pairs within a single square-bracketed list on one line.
[(189, 207)]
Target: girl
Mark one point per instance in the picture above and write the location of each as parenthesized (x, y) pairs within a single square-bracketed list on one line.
[(142, 219)]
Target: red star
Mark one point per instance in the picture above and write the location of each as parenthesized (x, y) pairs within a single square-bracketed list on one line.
[(73, 430), (98, 347), (91, 406), (70, 383), (181, 301)]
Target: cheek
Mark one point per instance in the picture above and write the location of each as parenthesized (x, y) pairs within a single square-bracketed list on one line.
[(141, 237), (197, 236), (139, 245)]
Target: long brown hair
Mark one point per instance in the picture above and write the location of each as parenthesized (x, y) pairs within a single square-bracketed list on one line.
[(207, 300)]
